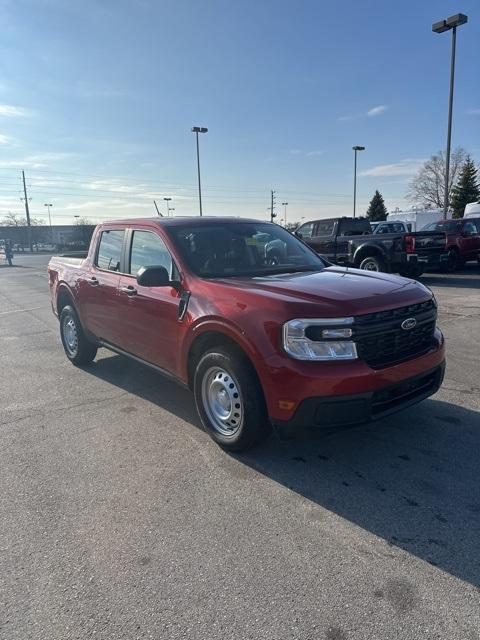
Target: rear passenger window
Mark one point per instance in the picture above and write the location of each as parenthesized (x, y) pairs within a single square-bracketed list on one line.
[(110, 250), (325, 227), (148, 250)]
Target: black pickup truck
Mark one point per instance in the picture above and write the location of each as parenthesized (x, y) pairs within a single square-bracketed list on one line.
[(351, 242)]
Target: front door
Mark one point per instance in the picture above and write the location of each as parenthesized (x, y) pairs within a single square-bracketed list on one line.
[(470, 240), (149, 315)]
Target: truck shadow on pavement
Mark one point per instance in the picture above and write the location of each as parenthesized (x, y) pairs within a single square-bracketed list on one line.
[(466, 278), (412, 479)]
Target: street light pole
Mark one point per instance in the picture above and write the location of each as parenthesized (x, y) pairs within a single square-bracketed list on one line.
[(167, 200), (439, 27), (196, 131), (284, 204), (355, 149)]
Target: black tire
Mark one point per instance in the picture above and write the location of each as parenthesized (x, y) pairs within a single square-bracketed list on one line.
[(453, 261), (230, 400), (412, 271), (373, 263), (77, 348)]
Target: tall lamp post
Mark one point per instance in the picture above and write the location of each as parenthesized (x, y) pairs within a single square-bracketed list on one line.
[(196, 131), (355, 149), (284, 204), (450, 23), (167, 200), (49, 219)]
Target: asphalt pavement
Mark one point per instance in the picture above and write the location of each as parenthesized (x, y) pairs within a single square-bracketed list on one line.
[(121, 519)]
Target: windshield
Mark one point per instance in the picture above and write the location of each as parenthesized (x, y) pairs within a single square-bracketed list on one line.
[(228, 249), (447, 227)]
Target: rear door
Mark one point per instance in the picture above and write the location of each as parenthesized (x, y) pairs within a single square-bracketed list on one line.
[(98, 287), (149, 319), (320, 235)]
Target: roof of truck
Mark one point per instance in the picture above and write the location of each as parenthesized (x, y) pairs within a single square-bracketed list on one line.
[(182, 220)]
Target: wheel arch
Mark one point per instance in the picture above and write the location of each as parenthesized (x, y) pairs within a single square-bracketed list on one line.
[(367, 250), (64, 298), (209, 339)]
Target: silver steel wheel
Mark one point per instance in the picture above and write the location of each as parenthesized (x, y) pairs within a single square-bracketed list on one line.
[(222, 401), (370, 265), (70, 335)]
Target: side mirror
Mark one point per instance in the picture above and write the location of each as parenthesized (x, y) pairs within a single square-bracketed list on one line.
[(298, 234), (154, 276)]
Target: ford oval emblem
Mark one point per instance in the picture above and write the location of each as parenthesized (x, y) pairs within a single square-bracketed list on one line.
[(409, 323)]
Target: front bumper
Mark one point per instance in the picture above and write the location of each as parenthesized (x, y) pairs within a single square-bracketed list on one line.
[(363, 407), (289, 384)]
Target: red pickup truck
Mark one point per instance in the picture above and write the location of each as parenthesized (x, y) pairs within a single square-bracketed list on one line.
[(259, 341), (463, 240)]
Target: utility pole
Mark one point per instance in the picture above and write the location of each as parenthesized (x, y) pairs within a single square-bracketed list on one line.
[(27, 213), (272, 206), (284, 204), (158, 212)]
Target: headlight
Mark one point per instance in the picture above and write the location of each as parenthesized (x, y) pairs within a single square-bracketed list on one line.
[(319, 339)]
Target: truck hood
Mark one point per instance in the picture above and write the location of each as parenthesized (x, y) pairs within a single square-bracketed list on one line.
[(336, 290)]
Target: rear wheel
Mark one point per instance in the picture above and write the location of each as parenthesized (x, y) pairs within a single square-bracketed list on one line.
[(77, 348), (373, 263), (453, 261), (230, 400)]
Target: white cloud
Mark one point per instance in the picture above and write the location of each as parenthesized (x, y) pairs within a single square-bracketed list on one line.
[(35, 161), (307, 154), (4, 139), (377, 111), (10, 111), (407, 167), (374, 111), (473, 112)]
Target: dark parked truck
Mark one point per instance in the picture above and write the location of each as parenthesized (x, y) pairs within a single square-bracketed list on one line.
[(351, 242), (260, 342)]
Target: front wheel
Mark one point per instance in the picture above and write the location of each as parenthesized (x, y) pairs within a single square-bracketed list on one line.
[(373, 263), (77, 348), (230, 401)]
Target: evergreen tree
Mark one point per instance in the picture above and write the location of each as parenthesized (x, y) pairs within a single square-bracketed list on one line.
[(466, 190), (377, 210)]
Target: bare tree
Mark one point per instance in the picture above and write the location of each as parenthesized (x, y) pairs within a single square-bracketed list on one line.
[(83, 222), (428, 186), (15, 220)]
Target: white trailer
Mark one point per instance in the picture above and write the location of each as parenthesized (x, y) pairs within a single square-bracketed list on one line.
[(416, 219)]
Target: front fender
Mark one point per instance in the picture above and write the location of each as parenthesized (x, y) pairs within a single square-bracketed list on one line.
[(229, 329)]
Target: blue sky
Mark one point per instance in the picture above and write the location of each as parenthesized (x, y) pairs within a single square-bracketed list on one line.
[(97, 99)]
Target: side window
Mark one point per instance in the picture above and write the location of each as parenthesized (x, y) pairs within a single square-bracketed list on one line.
[(148, 250), (325, 228), (110, 250), (306, 230), (469, 227), (352, 227)]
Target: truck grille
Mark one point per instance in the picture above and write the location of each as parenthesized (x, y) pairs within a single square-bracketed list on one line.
[(381, 340)]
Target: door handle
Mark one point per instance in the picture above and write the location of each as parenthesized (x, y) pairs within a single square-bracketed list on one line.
[(130, 291), (93, 281)]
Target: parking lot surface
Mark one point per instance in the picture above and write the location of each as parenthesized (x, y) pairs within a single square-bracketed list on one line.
[(120, 518)]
